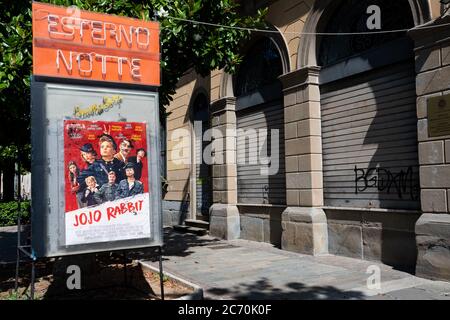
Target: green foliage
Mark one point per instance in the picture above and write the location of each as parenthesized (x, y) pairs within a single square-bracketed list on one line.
[(183, 46), (12, 295), (186, 45), (15, 71), (8, 154), (22, 294), (8, 213)]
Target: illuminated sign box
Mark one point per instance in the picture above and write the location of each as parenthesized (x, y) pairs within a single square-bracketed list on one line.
[(77, 44)]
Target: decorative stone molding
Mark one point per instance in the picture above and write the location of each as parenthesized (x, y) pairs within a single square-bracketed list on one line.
[(300, 77)]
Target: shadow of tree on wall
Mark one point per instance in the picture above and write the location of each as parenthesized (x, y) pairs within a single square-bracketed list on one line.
[(263, 289), (370, 116), (394, 165)]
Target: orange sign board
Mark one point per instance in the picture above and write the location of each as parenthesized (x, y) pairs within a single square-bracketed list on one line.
[(77, 44)]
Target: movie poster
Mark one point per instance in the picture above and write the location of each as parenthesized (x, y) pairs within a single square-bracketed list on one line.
[(106, 181)]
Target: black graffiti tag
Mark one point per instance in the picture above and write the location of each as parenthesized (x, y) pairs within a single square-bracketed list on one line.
[(401, 183)]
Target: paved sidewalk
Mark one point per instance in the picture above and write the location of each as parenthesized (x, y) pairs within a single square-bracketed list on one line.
[(241, 269)]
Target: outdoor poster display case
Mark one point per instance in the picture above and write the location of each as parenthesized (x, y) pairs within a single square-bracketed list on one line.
[(95, 133)]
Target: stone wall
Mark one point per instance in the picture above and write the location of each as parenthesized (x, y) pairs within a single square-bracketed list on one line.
[(304, 224), (303, 138), (375, 235), (174, 212), (261, 223), (224, 214), (393, 237), (433, 80)]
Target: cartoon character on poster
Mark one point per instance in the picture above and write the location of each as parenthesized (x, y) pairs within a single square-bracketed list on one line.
[(106, 190)]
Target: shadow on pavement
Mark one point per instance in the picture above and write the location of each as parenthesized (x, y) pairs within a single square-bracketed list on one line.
[(103, 277), (263, 290), (175, 244), (8, 242)]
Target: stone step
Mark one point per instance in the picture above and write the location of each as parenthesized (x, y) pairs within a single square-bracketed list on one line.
[(197, 223), (189, 229)]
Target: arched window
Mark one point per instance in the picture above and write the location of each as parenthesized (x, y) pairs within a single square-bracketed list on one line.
[(352, 16), (261, 66)]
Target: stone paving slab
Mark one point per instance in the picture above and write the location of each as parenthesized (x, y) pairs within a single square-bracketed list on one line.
[(241, 269)]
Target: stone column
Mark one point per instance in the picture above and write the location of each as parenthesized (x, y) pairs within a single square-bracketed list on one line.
[(432, 48), (304, 224), (224, 214)]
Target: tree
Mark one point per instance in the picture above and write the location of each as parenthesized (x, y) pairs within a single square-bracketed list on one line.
[(15, 69), (184, 45)]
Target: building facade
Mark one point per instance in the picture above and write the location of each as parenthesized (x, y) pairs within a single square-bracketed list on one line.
[(320, 144)]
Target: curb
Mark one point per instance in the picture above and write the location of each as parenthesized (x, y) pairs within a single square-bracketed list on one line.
[(198, 291)]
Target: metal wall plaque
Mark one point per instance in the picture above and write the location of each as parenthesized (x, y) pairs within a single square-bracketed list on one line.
[(439, 116)]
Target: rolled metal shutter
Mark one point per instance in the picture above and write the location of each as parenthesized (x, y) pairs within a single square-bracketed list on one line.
[(369, 140), (203, 188), (253, 187)]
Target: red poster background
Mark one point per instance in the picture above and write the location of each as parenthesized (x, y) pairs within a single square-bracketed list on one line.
[(79, 132)]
